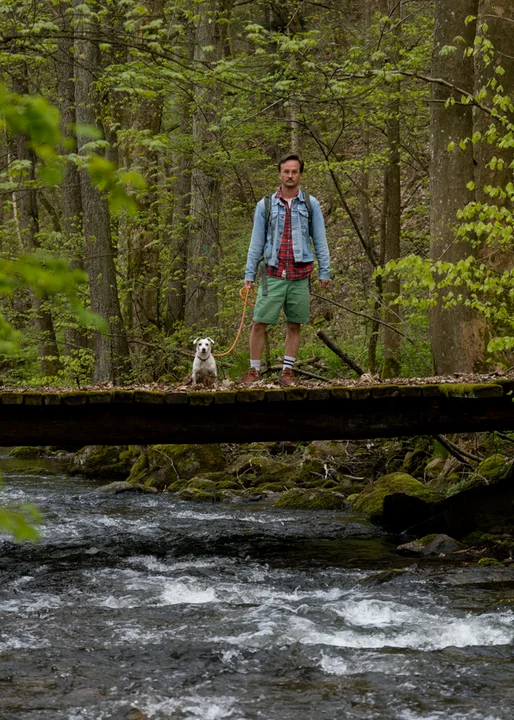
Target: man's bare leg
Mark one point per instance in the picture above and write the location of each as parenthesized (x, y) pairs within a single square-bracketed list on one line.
[(257, 340), (293, 337)]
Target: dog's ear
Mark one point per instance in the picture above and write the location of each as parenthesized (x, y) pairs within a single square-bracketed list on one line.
[(196, 340), (211, 341)]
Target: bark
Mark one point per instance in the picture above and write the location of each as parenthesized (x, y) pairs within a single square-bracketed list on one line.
[(27, 210), (457, 334), (181, 223), (143, 242), (204, 244), (71, 203), (392, 202), (111, 349)]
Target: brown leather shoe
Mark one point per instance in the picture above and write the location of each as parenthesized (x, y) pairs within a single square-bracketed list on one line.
[(287, 378), (252, 376)]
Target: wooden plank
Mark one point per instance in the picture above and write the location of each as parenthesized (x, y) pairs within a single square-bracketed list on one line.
[(11, 398), (225, 397), (74, 398), (201, 398), (122, 396), (32, 398), (99, 397), (149, 397), (251, 395), (176, 398)]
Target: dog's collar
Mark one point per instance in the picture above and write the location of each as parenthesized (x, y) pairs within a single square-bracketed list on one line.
[(203, 359)]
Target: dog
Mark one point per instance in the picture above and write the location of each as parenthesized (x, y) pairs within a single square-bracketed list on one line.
[(204, 364)]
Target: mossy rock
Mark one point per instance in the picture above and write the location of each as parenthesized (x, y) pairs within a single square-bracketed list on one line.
[(194, 495), (415, 461), (138, 468), (489, 562), (26, 452), (188, 460), (251, 471), (131, 453), (177, 486), (270, 488), (434, 468), (161, 465), (493, 469), (310, 499), (371, 502), (312, 470), (325, 450), (101, 462)]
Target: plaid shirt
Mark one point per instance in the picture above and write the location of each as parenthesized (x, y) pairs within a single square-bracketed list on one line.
[(287, 268)]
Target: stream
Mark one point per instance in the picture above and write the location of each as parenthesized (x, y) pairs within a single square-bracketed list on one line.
[(237, 611)]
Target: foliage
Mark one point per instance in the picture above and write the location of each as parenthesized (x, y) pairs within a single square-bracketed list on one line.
[(20, 521)]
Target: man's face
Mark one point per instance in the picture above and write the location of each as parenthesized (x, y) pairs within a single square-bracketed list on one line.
[(290, 174)]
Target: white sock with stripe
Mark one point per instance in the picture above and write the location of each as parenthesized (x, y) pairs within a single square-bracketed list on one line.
[(288, 362)]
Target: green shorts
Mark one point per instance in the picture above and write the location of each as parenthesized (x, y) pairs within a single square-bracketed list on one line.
[(292, 295)]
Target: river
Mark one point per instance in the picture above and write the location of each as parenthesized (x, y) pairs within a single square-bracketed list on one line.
[(237, 611)]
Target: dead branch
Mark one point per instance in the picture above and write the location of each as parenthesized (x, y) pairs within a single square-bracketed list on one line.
[(340, 353)]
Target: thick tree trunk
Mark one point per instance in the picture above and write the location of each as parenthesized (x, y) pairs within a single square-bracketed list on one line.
[(392, 191), (181, 221), (143, 240), (111, 349), (75, 337), (204, 243), (457, 334), (27, 210)]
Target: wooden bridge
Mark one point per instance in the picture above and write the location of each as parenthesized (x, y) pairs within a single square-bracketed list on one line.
[(119, 416)]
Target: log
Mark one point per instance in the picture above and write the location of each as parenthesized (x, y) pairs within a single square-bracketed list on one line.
[(340, 353)]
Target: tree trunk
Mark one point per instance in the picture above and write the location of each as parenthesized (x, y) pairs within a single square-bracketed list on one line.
[(204, 243), (392, 191), (75, 337), (111, 349), (27, 209), (143, 240), (457, 334), (181, 221)]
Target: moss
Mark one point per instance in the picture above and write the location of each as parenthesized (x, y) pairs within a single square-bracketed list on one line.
[(489, 562), (371, 502), (138, 468), (199, 495), (300, 499), (101, 462), (494, 468), (177, 486), (325, 449), (186, 460), (131, 453), (270, 487), (464, 389), (415, 461), (26, 452)]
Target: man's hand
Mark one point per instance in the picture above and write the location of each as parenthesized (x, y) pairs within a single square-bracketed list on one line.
[(249, 284), (324, 284)]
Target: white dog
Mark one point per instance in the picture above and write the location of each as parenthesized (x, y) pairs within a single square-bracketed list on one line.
[(204, 364)]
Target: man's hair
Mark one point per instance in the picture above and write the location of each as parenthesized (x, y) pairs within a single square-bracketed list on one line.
[(291, 156)]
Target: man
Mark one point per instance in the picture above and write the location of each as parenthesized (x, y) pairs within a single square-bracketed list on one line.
[(283, 242)]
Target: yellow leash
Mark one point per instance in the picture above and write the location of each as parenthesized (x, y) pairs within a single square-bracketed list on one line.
[(246, 292)]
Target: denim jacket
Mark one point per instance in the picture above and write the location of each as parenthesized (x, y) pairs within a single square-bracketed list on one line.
[(302, 247)]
